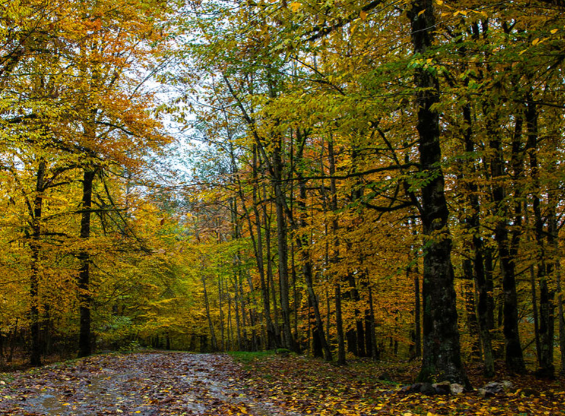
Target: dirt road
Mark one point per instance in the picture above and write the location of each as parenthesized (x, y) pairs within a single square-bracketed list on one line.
[(134, 384)]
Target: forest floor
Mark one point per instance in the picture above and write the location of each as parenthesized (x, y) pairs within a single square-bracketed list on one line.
[(175, 383)]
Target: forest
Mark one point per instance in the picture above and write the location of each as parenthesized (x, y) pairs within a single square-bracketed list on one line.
[(345, 179)]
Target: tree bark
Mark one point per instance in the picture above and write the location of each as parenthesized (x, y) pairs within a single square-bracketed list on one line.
[(442, 352), (35, 357), (85, 297), (507, 245), (282, 246), (337, 285), (476, 270), (303, 243), (546, 312), (271, 337), (208, 315)]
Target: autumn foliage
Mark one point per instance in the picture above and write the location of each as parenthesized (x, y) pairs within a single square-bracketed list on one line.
[(344, 179)]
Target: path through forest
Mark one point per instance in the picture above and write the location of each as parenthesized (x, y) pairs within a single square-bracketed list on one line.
[(136, 384)]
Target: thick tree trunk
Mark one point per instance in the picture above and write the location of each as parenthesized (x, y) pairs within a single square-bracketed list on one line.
[(442, 352), (35, 356), (85, 297)]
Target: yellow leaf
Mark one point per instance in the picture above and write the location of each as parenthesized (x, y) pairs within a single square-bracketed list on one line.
[(422, 12), (294, 6), (363, 15), (439, 2), (535, 41), (553, 32)]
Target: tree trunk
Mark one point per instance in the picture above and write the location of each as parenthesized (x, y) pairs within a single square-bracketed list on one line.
[(337, 285), (470, 309), (476, 270), (237, 312), (282, 249), (208, 316), (507, 248), (561, 318), (270, 277), (339, 325), (271, 337), (35, 357), (546, 311), (221, 310), (371, 328), (85, 297), (442, 352), (303, 243)]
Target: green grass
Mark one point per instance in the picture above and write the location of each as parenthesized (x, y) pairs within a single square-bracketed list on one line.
[(245, 357)]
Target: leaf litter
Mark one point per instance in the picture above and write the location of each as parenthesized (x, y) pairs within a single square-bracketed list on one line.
[(175, 383)]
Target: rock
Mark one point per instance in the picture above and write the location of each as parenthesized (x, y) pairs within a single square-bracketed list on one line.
[(507, 384), (456, 389), (442, 387), (427, 389), (491, 389)]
